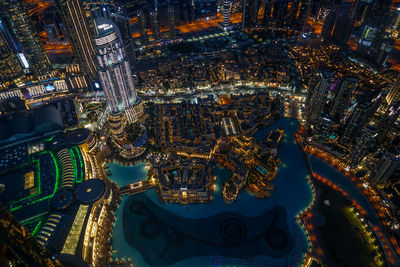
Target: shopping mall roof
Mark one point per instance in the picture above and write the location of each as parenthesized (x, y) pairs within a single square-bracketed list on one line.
[(90, 191)]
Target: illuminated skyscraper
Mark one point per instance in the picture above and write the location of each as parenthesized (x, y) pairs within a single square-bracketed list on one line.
[(363, 145), (342, 98), (317, 98), (142, 27), (21, 24), (155, 28), (329, 23), (385, 167), (250, 12), (9, 66), (116, 78), (361, 115), (387, 121), (324, 128), (298, 13), (80, 31), (226, 13), (394, 92), (122, 22), (171, 21)]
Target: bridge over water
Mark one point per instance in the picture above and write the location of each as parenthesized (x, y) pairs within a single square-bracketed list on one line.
[(135, 188)]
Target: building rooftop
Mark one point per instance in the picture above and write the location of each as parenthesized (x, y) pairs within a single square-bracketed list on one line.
[(90, 191)]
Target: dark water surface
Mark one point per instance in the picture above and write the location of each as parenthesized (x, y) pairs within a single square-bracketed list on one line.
[(250, 231)]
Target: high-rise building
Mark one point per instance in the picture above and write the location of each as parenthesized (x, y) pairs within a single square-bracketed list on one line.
[(375, 43), (394, 92), (155, 28), (299, 12), (367, 38), (382, 50), (250, 12), (171, 21), (363, 145), (192, 10), (361, 115), (318, 97), (10, 69), (280, 13), (386, 166), (381, 6), (123, 24), (206, 9), (343, 28), (18, 247), (387, 121), (17, 16), (116, 78), (342, 98), (357, 121), (324, 128), (266, 20), (226, 15), (329, 23), (80, 30), (142, 27)]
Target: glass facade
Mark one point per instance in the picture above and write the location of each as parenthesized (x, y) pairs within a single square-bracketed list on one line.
[(80, 28), (113, 66), (9, 66), (21, 24)]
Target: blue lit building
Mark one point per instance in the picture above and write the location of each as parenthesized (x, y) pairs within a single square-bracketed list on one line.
[(116, 78)]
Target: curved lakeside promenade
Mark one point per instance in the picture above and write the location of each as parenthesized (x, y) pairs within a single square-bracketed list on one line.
[(333, 175)]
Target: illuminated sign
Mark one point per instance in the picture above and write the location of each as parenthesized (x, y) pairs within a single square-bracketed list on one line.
[(50, 88), (104, 26)]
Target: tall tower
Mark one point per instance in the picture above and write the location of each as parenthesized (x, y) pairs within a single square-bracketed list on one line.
[(279, 12), (385, 167), (299, 13), (343, 29), (21, 24), (142, 24), (9, 66), (387, 121), (116, 78), (155, 28), (266, 20), (171, 22), (329, 23), (394, 92), (362, 114), (122, 22), (317, 98), (323, 130), (80, 31), (364, 143), (250, 12), (342, 98), (226, 15)]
